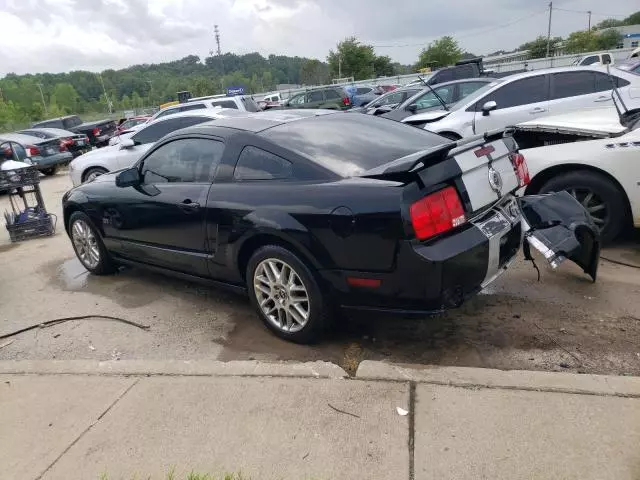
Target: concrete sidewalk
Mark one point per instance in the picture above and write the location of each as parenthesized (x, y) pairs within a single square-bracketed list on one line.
[(127, 419)]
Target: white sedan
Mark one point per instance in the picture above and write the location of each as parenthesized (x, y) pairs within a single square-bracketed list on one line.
[(593, 156), (124, 154)]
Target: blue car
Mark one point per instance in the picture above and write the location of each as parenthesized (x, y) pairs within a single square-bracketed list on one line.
[(364, 95), (44, 154)]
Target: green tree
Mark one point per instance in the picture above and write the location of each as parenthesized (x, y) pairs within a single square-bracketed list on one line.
[(538, 47), (65, 96), (582, 41), (352, 59), (441, 53), (314, 72), (383, 66), (633, 19), (608, 39), (608, 23)]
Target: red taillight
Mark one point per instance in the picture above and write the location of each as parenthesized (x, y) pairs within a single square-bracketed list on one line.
[(96, 132), (32, 151), (63, 147), (522, 171), (437, 213), (86, 139), (346, 101)]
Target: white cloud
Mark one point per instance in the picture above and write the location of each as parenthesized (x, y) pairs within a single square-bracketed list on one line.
[(63, 35)]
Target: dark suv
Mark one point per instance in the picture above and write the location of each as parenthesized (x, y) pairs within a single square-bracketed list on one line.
[(332, 98)]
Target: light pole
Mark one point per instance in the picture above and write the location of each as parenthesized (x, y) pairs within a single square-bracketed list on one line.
[(549, 29), (44, 104)]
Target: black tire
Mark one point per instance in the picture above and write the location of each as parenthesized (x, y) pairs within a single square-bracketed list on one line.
[(92, 171), (319, 310), (613, 219), (105, 265), (50, 171)]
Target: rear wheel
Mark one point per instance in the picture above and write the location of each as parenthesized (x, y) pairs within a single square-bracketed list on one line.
[(50, 171), (598, 195), (89, 246), (286, 295), (93, 173)]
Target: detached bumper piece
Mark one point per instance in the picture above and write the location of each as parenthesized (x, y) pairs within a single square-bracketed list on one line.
[(560, 228)]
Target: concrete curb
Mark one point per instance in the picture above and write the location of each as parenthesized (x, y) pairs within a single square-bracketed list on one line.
[(511, 379), (173, 367)]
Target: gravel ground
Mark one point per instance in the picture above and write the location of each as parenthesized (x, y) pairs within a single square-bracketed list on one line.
[(563, 322)]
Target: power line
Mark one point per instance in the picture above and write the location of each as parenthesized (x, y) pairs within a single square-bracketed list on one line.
[(585, 12), (481, 32)]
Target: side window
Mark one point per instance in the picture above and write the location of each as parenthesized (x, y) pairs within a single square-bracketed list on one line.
[(392, 99), (572, 84), (316, 96), (191, 160), (468, 88), (250, 105), (297, 100), (19, 151), (332, 95), (195, 106), (257, 164), (156, 131), (168, 111), (362, 90), (7, 152), (603, 82), (520, 92), (590, 60), (225, 104)]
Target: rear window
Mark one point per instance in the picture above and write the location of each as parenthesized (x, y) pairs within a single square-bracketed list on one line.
[(351, 144), (72, 122), (224, 104)]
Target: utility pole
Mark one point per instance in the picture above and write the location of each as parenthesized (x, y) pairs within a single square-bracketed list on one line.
[(44, 104), (106, 97), (339, 66), (549, 30), (589, 28)]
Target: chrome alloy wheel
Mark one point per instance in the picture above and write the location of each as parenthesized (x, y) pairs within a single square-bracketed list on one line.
[(281, 295), (86, 244), (595, 205)]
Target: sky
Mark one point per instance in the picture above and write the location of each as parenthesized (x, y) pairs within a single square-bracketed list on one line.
[(64, 35)]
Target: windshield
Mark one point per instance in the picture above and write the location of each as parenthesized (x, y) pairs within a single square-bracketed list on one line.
[(475, 96), (393, 98)]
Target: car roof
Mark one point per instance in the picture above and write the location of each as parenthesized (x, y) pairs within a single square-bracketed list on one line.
[(256, 122), (203, 112), (544, 71), (52, 131), (20, 138)]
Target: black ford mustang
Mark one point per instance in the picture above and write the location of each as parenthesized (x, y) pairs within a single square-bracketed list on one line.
[(305, 210)]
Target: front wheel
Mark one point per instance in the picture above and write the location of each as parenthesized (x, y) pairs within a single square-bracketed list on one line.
[(50, 171), (598, 195), (93, 173), (286, 295), (89, 246)]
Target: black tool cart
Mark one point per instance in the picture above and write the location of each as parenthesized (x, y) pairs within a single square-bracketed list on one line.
[(28, 216)]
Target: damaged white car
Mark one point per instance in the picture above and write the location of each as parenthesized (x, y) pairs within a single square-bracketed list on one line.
[(592, 154)]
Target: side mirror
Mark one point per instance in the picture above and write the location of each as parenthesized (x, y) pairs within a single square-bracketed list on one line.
[(128, 178), (127, 143), (489, 107), (413, 108)]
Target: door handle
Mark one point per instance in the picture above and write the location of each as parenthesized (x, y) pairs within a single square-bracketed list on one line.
[(602, 99), (189, 206), (537, 110)]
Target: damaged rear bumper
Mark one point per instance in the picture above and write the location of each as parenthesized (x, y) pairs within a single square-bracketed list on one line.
[(559, 227)]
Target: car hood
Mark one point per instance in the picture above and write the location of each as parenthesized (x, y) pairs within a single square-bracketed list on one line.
[(430, 116), (602, 122)]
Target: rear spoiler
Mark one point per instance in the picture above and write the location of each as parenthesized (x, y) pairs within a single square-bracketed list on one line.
[(424, 158)]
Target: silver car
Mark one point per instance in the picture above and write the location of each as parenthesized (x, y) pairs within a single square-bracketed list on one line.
[(525, 96)]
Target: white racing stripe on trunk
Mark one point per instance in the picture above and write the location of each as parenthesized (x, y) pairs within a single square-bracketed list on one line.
[(475, 174)]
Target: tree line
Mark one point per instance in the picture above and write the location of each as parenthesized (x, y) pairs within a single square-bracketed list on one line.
[(27, 98)]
